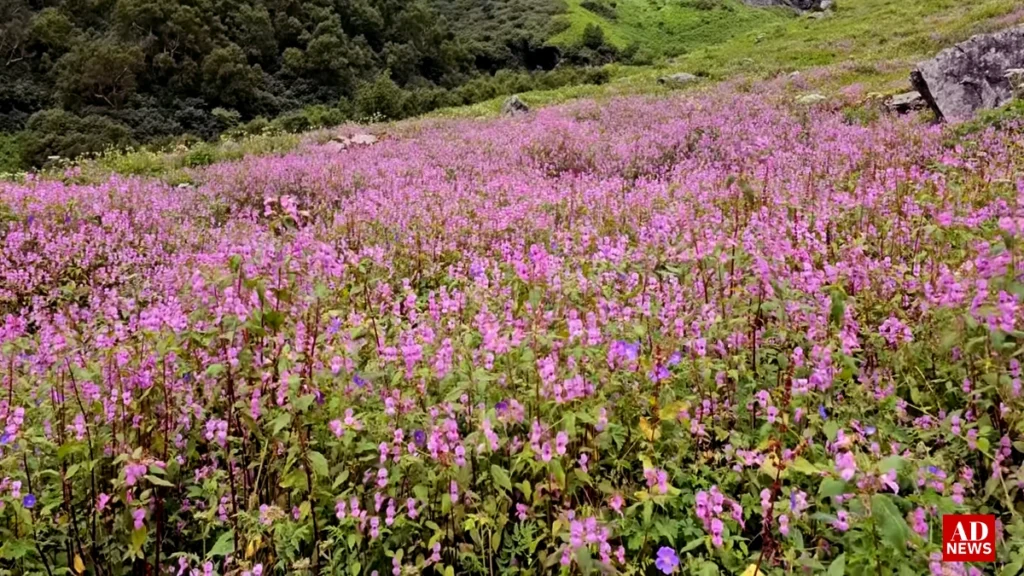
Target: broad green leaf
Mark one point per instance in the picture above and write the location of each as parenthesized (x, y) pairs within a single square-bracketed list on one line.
[(838, 566), (501, 478), (225, 545), (318, 463), (280, 423), (831, 487), (890, 463), (157, 481), (804, 467), (890, 522)]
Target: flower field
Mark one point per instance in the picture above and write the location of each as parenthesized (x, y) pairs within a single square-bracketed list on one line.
[(718, 334)]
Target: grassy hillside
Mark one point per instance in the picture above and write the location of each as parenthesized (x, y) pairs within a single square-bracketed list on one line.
[(667, 27), (869, 43)]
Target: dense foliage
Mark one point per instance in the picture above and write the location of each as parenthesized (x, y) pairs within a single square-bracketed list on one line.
[(687, 335), (83, 77)]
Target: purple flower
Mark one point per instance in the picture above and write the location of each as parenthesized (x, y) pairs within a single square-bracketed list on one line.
[(359, 380), (501, 406), (419, 437), (5, 438), (28, 501), (667, 560)]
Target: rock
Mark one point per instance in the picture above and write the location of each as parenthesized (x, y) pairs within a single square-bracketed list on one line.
[(1016, 78), (334, 146), (363, 139), (972, 75), (802, 5), (514, 105), (809, 99), (906, 102), (680, 79)]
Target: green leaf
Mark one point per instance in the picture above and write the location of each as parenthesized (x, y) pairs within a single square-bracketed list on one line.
[(214, 369), (139, 539), (1013, 568), (158, 481), (890, 463), (421, 492), (889, 520), (318, 462), (280, 423), (304, 402), (838, 566), (692, 544), (708, 569), (14, 549), (225, 545), (804, 467), (831, 487), (501, 478)]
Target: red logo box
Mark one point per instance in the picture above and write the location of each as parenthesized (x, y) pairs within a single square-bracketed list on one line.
[(968, 538)]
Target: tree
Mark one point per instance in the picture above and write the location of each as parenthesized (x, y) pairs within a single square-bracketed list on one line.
[(99, 72), (229, 80)]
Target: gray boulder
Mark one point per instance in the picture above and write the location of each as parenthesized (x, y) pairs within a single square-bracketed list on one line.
[(972, 75), (513, 106), (811, 99), (803, 5), (680, 79), (906, 102)]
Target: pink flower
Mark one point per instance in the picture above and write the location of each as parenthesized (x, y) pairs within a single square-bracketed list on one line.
[(139, 517)]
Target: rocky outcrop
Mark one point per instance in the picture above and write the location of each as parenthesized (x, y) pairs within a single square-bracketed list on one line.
[(906, 102), (680, 79), (804, 5), (973, 75), (513, 106)]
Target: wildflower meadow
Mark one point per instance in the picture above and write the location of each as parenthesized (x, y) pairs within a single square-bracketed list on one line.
[(712, 334)]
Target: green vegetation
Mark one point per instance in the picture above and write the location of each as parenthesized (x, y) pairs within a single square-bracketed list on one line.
[(667, 27), (865, 46), (80, 78)]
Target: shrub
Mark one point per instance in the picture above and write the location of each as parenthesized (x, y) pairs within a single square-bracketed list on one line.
[(601, 8), (202, 154), (381, 98), (10, 153), (56, 132)]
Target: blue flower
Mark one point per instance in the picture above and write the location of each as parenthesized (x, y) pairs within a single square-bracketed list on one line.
[(5, 438), (359, 380), (659, 373), (822, 413), (28, 501), (667, 560), (419, 437), (334, 326)]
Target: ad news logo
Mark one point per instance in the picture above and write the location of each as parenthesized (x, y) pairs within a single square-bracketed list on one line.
[(968, 538)]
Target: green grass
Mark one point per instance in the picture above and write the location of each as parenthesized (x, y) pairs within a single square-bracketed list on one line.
[(872, 43), (670, 27)]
